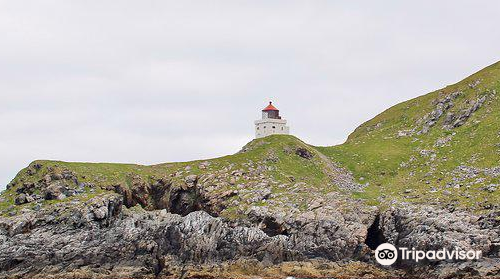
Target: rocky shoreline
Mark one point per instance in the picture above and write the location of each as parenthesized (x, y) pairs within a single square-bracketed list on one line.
[(101, 238)]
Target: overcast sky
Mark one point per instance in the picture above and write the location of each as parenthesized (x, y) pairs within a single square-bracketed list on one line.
[(158, 81)]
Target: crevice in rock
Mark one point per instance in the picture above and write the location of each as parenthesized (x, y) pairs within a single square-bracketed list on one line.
[(176, 197), (184, 202), (11, 264), (375, 236), (272, 228), (494, 250), (160, 262)]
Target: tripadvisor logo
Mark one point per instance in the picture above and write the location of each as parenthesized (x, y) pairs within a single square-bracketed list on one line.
[(386, 254)]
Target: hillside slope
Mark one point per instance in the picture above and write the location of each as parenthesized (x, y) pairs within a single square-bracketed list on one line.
[(441, 148), (277, 171)]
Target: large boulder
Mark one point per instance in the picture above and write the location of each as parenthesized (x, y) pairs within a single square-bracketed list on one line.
[(21, 199), (55, 191)]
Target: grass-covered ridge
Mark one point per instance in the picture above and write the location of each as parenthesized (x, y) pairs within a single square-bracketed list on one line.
[(402, 161), (271, 164), (441, 148)]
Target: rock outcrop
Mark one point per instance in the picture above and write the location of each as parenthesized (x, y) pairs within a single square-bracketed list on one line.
[(103, 237), (430, 228)]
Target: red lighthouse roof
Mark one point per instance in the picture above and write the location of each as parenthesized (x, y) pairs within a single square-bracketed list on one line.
[(270, 107)]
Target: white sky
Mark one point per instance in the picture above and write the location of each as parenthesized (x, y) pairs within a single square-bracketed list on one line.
[(159, 81)]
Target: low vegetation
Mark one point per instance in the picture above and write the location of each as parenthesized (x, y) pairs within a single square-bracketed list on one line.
[(441, 148)]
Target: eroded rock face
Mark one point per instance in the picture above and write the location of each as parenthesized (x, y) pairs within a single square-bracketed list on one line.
[(101, 238), (102, 235), (179, 196), (325, 232), (426, 227), (455, 120), (56, 185), (441, 107), (430, 228)]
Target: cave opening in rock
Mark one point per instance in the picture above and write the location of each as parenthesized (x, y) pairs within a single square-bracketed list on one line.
[(163, 194), (375, 236), (184, 202), (272, 228), (11, 264)]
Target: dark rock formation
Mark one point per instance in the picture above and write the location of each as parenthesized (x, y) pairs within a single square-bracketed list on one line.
[(430, 228), (304, 153), (103, 236), (455, 120), (441, 107)]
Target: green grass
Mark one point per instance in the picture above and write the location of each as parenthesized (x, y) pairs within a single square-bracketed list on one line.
[(275, 154), (374, 153)]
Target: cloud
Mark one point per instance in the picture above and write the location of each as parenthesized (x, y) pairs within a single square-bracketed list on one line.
[(159, 81)]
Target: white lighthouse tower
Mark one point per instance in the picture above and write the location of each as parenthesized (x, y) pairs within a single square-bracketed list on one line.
[(271, 123)]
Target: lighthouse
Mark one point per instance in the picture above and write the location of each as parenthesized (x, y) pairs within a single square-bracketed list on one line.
[(271, 123)]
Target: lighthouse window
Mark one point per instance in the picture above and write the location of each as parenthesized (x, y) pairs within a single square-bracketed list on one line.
[(281, 128), (257, 128), (264, 127), (274, 127)]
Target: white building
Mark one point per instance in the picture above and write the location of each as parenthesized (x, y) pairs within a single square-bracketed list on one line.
[(271, 123)]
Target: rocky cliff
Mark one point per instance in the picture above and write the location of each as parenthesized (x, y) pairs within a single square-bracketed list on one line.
[(423, 174)]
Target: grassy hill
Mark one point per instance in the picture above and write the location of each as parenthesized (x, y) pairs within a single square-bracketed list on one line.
[(441, 148), (279, 170)]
